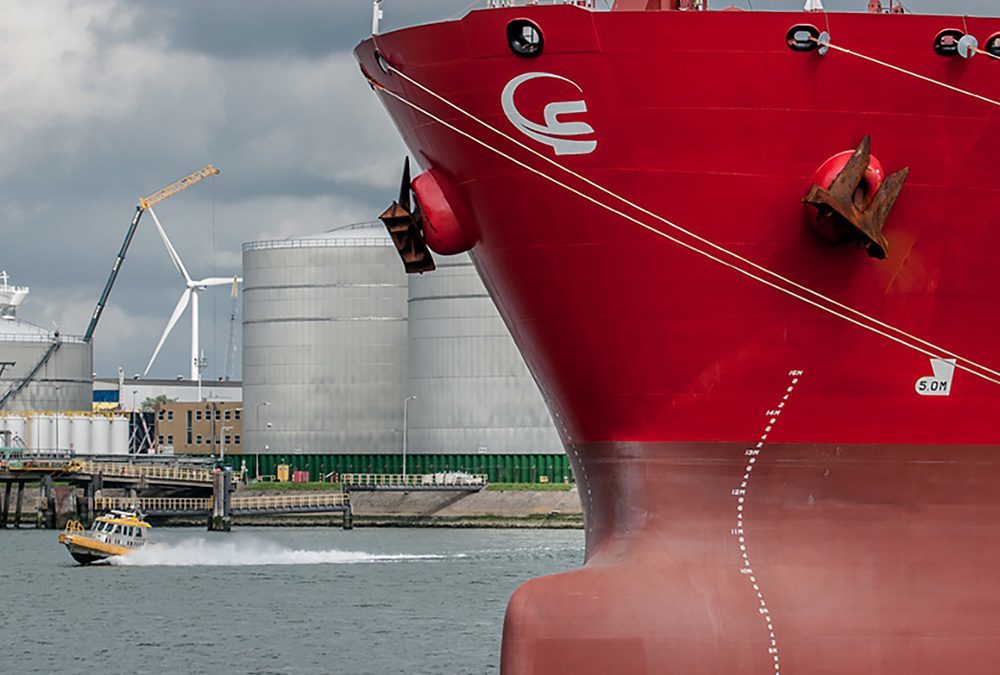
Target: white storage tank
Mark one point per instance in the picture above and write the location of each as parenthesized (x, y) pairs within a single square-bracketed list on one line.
[(473, 389), (62, 382), (119, 435), (324, 343), (61, 428), (100, 436), (40, 433), (18, 429), (79, 434)]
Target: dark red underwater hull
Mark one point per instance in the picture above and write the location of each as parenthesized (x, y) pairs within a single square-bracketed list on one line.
[(867, 518)]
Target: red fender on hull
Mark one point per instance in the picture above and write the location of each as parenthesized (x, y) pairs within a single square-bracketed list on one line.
[(443, 229)]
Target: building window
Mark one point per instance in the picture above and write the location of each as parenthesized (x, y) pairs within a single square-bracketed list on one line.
[(159, 415), (237, 413), (229, 439), (198, 439), (170, 440), (197, 415), (170, 415), (159, 440), (228, 415), (236, 440)]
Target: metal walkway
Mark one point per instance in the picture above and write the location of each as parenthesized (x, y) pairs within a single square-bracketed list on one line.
[(464, 482), (334, 502), (112, 474)]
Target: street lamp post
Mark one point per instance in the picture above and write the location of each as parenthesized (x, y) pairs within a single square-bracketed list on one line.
[(222, 452), (256, 428), (57, 419), (406, 404)]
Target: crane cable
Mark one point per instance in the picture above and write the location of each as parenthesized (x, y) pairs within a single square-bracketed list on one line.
[(969, 365)]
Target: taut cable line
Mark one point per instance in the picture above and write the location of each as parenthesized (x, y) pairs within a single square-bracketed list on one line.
[(961, 362), (939, 351), (910, 73)]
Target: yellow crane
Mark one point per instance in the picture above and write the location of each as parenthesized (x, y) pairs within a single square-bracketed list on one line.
[(144, 204)]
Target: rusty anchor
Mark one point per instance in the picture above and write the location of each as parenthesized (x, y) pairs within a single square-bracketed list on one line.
[(405, 229), (847, 212)]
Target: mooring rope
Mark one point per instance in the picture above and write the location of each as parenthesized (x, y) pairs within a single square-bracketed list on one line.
[(910, 73), (961, 362), (735, 256)]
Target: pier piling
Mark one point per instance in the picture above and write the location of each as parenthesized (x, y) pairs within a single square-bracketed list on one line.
[(220, 519), (18, 504), (6, 505)]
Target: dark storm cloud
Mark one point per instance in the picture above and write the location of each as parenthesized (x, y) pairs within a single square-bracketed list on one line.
[(264, 29)]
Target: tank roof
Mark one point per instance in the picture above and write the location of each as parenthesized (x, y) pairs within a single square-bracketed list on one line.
[(355, 234)]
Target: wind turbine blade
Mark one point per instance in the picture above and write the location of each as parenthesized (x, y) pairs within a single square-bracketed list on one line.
[(236, 287), (171, 251), (214, 281), (178, 310)]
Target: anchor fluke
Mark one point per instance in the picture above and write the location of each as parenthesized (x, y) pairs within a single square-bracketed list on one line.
[(406, 229)]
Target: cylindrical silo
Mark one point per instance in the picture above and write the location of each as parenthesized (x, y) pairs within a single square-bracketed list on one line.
[(18, 428), (40, 439), (62, 364), (119, 435), (79, 434), (474, 392), (100, 435), (324, 343), (61, 437)]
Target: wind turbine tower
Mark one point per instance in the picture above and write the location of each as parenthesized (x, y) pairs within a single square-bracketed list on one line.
[(189, 296)]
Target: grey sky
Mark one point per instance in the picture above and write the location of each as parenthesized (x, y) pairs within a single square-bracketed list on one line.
[(105, 101)]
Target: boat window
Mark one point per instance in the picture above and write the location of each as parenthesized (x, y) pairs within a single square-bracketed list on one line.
[(138, 532)]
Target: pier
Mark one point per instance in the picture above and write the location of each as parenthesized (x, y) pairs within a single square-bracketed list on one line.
[(71, 488)]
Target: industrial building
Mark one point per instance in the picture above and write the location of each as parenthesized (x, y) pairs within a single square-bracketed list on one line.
[(339, 346), (39, 369), (205, 428), (128, 394)]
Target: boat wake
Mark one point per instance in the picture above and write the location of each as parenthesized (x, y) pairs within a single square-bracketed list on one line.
[(200, 552)]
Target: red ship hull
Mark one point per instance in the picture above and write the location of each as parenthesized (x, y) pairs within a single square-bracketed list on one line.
[(764, 487)]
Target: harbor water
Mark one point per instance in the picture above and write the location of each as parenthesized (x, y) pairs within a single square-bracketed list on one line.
[(269, 600)]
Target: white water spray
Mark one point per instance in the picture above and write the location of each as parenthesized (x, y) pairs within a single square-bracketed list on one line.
[(199, 551)]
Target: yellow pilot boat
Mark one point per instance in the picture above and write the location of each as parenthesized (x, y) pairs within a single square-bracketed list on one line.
[(113, 534)]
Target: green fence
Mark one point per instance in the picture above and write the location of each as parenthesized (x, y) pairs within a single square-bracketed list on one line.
[(499, 468)]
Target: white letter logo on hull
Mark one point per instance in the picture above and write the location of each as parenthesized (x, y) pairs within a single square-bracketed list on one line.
[(554, 132), (938, 384)]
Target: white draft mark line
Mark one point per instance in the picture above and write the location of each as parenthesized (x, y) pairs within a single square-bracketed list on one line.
[(746, 568)]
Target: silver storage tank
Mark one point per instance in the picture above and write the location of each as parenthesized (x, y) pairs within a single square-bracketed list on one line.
[(324, 343), (474, 392), (63, 380)]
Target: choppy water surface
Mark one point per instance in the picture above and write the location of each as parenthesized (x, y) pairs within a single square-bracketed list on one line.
[(261, 600)]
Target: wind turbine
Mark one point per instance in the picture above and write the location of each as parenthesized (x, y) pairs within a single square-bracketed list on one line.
[(192, 288)]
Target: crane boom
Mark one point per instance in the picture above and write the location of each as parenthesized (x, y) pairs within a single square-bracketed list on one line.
[(145, 203), (174, 188)]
